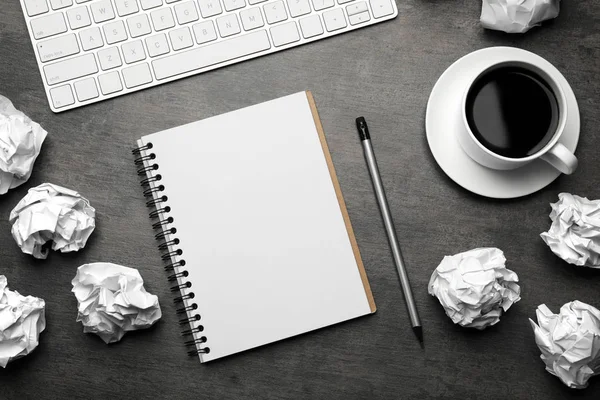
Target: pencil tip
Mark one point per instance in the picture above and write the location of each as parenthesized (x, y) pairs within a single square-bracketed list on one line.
[(418, 330)]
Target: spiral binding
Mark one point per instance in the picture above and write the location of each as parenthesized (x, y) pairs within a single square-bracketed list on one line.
[(170, 253)]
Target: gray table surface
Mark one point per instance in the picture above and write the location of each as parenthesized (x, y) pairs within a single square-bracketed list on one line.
[(384, 72)]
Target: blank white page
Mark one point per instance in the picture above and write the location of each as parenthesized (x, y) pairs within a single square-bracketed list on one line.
[(266, 246)]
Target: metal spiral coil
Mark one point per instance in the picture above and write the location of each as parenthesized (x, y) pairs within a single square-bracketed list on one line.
[(168, 246)]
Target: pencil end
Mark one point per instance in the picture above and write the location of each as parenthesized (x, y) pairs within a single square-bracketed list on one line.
[(418, 330)]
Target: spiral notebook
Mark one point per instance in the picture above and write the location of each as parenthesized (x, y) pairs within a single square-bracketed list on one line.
[(253, 226)]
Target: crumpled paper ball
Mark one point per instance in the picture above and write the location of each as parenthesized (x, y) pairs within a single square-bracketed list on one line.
[(574, 234), (474, 287), (517, 16), (52, 213), (22, 319), (20, 143), (112, 300), (569, 342)]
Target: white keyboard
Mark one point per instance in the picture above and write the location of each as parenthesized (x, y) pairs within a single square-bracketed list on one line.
[(92, 50)]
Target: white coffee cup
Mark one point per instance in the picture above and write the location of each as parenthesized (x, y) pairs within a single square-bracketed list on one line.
[(554, 152)]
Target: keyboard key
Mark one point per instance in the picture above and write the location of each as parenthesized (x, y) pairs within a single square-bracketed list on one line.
[(110, 83), (181, 38), (275, 12), (79, 17), (86, 89), (204, 32), (231, 5), (205, 56), (381, 8), (251, 18), (298, 7), (139, 25), (62, 46), (115, 32), (49, 25), (133, 51), (356, 8), (36, 7), (186, 12), (322, 4), (126, 7), (311, 26), (62, 96), (285, 34), (228, 25), (334, 19), (359, 18), (148, 4), (157, 45), (70, 69), (137, 75), (58, 4), (209, 8), (109, 58), (162, 19), (102, 11), (91, 38)]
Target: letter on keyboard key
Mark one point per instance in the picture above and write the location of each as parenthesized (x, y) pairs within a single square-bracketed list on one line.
[(137, 75), (162, 19), (36, 7), (62, 46), (209, 8), (311, 26), (62, 96), (109, 58), (211, 54), (186, 12), (79, 17), (70, 69), (334, 19), (285, 34), (228, 25), (275, 12), (381, 8), (110, 83), (115, 32), (139, 25), (251, 18), (102, 11), (231, 5), (204, 32), (91, 38), (181, 38), (126, 7), (49, 25), (133, 51), (157, 45), (298, 7), (86, 89)]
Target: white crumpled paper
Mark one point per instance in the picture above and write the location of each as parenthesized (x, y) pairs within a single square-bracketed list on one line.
[(51, 212), (569, 342), (517, 16), (112, 300), (574, 234), (20, 143), (22, 319), (474, 287)]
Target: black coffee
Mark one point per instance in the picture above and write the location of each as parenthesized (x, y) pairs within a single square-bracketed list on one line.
[(512, 111)]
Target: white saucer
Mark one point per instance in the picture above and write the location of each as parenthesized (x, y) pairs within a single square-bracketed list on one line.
[(443, 109)]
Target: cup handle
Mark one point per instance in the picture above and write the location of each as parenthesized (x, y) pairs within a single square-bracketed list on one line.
[(561, 158)]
